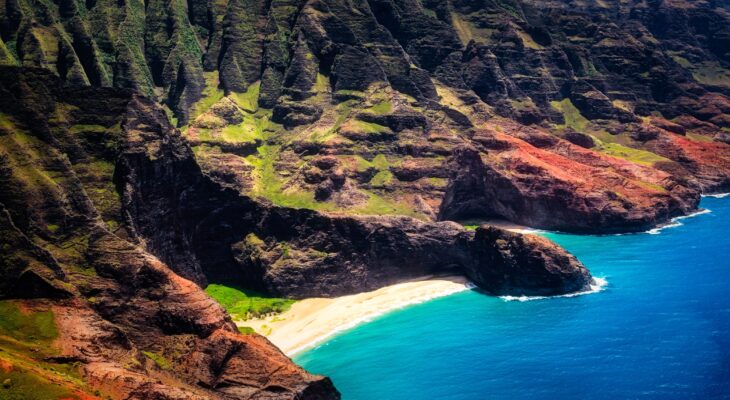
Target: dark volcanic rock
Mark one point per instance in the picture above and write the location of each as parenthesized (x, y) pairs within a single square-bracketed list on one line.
[(580, 139), (477, 189), (523, 265), (293, 114)]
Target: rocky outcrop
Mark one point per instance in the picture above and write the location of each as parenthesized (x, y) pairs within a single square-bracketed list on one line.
[(553, 200), (518, 264)]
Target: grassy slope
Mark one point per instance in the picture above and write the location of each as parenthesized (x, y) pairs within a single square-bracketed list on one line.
[(244, 304), (27, 334), (605, 142)]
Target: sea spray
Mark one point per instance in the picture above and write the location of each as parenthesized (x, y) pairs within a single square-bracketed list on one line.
[(717, 195), (675, 222), (598, 285)]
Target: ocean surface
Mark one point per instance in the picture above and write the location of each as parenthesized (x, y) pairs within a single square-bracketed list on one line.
[(659, 329)]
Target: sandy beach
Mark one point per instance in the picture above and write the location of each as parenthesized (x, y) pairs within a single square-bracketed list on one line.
[(510, 226), (310, 322)]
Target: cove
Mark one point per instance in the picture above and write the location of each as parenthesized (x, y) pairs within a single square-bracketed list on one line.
[(660, 329)]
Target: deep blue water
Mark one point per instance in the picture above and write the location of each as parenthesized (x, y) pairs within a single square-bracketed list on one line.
[(659, 330)]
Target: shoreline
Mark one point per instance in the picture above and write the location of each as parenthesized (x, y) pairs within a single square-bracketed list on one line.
[(676, 221), (717, 195), (310, 322), (510, 226)]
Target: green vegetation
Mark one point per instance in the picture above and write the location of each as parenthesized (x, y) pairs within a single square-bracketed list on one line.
[(344, 110), (707, 73), (158, 359), (27, 333), (573, 118), (380, 162), (627, 153), (246, 330), (270, 186), (468, 31), (382, 178), (6, 122), (242, 304), (651, 186), (6, 55), (351, 93), (248, 101), (379, 205), (250, 130), (619, 146), (81, 128), (211, 94), (523, 104), (528, 41), (97, 177), (702, 138), (382, 108), (22, 384), (710, 73), (35, 328)]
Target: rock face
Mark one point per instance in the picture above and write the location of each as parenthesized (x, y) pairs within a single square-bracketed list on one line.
[(90, 178), (394, 88), (518, 264), (572, 191), (135, 328)]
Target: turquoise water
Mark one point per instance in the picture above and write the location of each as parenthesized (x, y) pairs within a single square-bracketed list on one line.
[(659, 330)]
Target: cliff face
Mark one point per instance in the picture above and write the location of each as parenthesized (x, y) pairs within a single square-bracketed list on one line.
[(109, 227), (588, 116), (122, 322)]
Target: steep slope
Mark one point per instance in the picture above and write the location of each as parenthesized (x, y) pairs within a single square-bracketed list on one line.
[(361, 107), (119, 321)]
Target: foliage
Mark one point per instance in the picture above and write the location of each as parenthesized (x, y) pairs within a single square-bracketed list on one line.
[(243, 304), (627, 153), (248, 101), (30, 326), (573, 118), (20, 384), (158, 359), (246, 330), (384, 107), (211, 94)]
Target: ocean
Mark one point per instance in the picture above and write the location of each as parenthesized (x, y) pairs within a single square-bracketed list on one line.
[(659, 329)]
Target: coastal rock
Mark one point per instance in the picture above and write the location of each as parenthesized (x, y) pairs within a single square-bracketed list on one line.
[(523, 265), (479, 187)]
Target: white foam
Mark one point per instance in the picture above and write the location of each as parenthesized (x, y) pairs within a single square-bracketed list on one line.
[(675, 222), (596, 286), (717, 195), (378, 313)]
